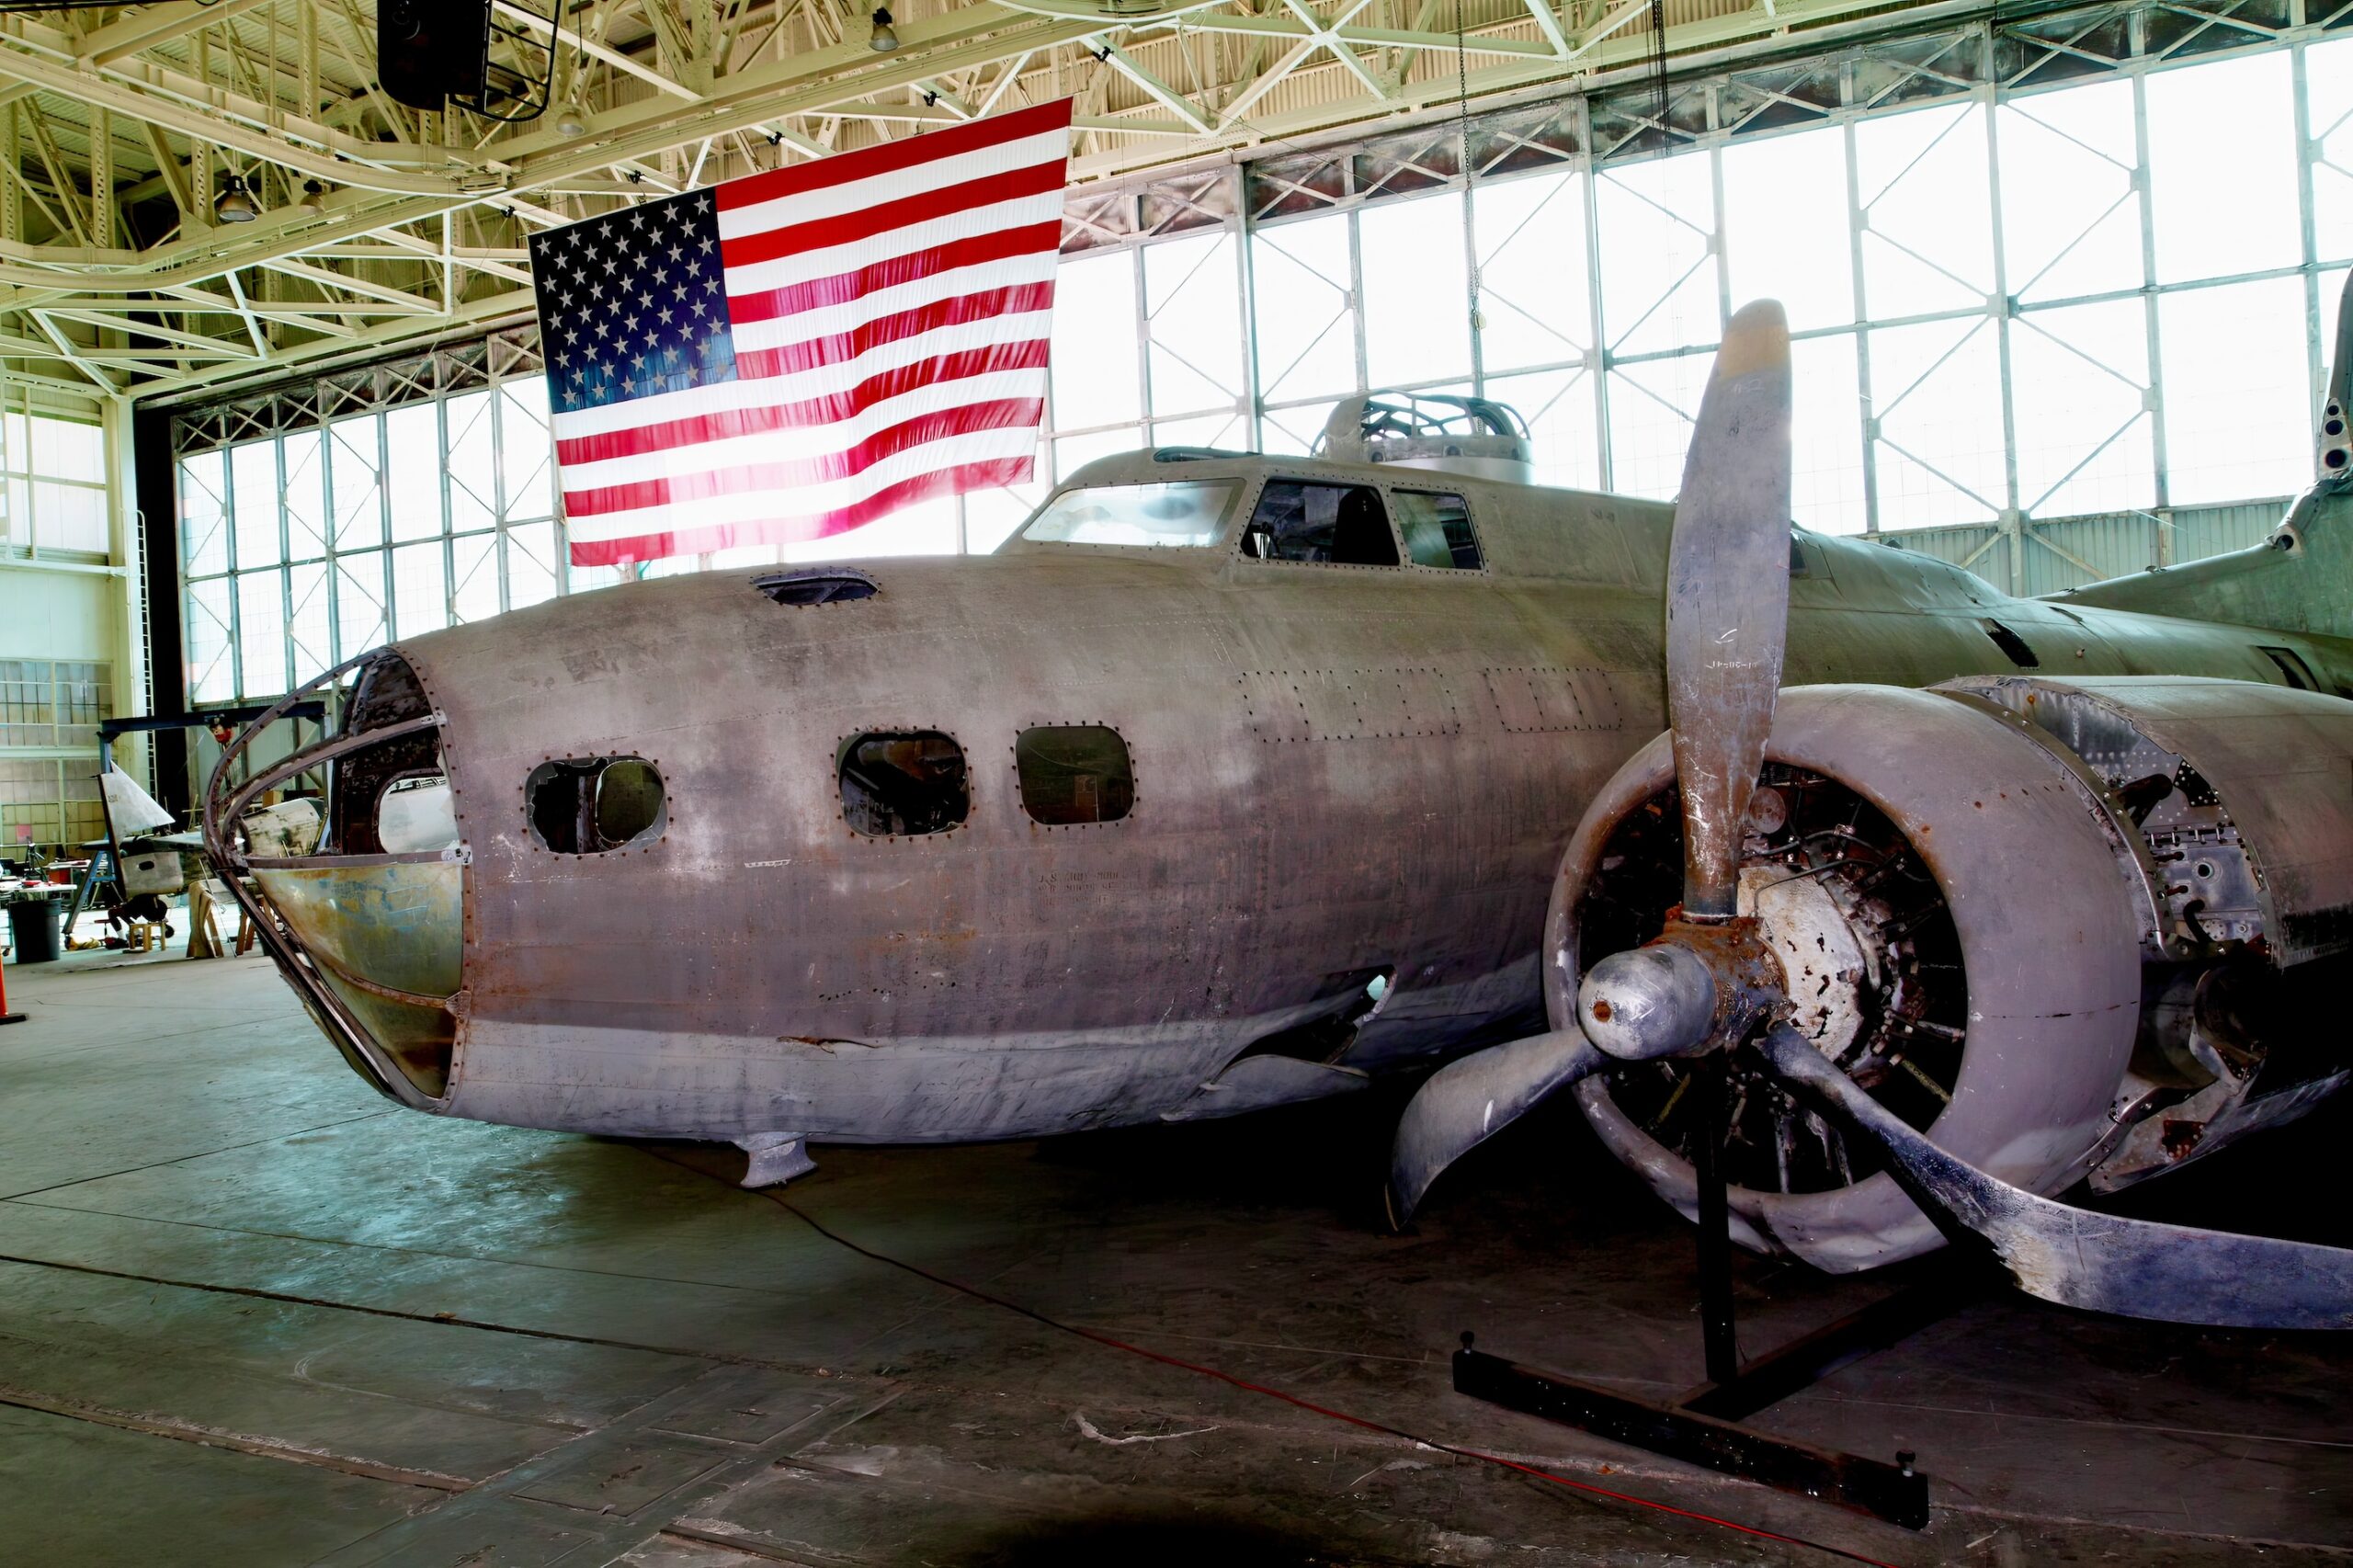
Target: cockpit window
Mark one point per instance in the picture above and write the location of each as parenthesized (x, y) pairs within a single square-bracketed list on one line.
[(1436, 526), (1341, 524), (1181, 514), (902, 783)]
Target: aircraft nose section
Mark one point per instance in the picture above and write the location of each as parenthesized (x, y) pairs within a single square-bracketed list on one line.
[(389, 940), (361, 903)]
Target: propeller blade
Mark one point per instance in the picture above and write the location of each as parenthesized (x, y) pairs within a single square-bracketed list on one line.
[(1466, 1100), (2101, 1263), (1728, 598)]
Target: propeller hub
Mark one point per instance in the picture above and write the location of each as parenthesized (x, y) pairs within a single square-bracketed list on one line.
[(1698, 987), (1650, 1002)]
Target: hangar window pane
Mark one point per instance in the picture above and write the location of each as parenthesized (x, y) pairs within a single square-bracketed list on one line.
[(2071, 207), (1193, 301), (204, 511), (903, 783), (1093, 355), (1302, 292), (2238, 420), (261, 630), (305, 496), (2222, 186), (412, 470), (2328, 90), (1785, 225), (1073, 773), (1657, 227), (252, 492), (1924, 180), (1533, 289), (1338, 525), (1417, 299), (420, 590), (355, 470)]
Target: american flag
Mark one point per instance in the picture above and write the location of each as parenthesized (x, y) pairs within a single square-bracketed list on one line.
[(793, 354)]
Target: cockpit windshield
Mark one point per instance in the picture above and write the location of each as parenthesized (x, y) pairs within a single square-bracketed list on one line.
[(1186, 513)]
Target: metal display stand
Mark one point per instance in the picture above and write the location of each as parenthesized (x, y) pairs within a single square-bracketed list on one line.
[(1704, 1427)]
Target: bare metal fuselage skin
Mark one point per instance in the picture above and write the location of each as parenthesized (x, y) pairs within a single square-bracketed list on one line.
[(1338, 769)]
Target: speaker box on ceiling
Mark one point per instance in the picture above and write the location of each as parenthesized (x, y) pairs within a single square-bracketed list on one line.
[(430, 50)]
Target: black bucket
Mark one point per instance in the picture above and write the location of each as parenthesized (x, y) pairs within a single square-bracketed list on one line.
[(35, 925)]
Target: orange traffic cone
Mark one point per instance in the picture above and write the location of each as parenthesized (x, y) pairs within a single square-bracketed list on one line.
[(6, 1016)]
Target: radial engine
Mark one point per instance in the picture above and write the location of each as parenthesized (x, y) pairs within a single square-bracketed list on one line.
[(2073, 930)]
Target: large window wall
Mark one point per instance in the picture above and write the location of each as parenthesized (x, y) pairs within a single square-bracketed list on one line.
[(394, 502), (53, 480), (2083, 263), (2026, 281)]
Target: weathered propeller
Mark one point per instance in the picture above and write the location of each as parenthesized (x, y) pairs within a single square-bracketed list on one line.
[(1706, 983)]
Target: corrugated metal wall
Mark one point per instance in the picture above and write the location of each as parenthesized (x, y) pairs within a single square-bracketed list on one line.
[(2066, 552)]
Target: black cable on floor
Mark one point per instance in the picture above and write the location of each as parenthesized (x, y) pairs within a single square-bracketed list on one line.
[(1293, 1400)]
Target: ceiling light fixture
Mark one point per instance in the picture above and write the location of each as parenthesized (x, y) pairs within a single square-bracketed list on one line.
[(883, 40), (314, 199), (571, 125), (236, 202)]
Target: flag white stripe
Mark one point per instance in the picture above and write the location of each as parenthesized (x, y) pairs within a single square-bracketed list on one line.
[(801, 444), (804, 267), (821, 381), (897, 184), (811, 500), (851, 315)]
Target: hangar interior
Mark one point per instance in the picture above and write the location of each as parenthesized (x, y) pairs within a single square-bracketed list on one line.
[(2062, 286)]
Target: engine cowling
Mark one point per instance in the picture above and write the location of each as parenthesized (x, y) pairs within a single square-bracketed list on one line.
[(2064, 928)]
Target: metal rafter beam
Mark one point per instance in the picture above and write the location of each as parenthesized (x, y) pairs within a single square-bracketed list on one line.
[(148, 25)]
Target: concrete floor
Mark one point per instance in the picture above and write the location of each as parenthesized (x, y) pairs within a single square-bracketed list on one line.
[(251, 1315)]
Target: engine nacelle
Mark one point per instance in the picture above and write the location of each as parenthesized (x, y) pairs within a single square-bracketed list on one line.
[(2066, 928)]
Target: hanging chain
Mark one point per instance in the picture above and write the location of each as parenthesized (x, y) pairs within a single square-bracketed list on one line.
[(1658, 62), (1462, 131)]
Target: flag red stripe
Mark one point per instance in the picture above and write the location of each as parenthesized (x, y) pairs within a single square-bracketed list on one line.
[(867, 162), (687, 488), (794, 530), (999, 244), (835, 348), (833, 408), (821, 233)]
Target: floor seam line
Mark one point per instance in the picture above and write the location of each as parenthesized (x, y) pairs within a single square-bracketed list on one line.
[(374, 1247), (183, 1159)]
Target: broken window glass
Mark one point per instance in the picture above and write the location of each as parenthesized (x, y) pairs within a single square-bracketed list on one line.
[(1436, 527), (1073, 773), (591, 804), (1185, 512), (903, 783), (1344, 525)]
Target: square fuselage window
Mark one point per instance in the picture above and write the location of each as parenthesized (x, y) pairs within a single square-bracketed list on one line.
[(1074, 773), (903, 783)]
